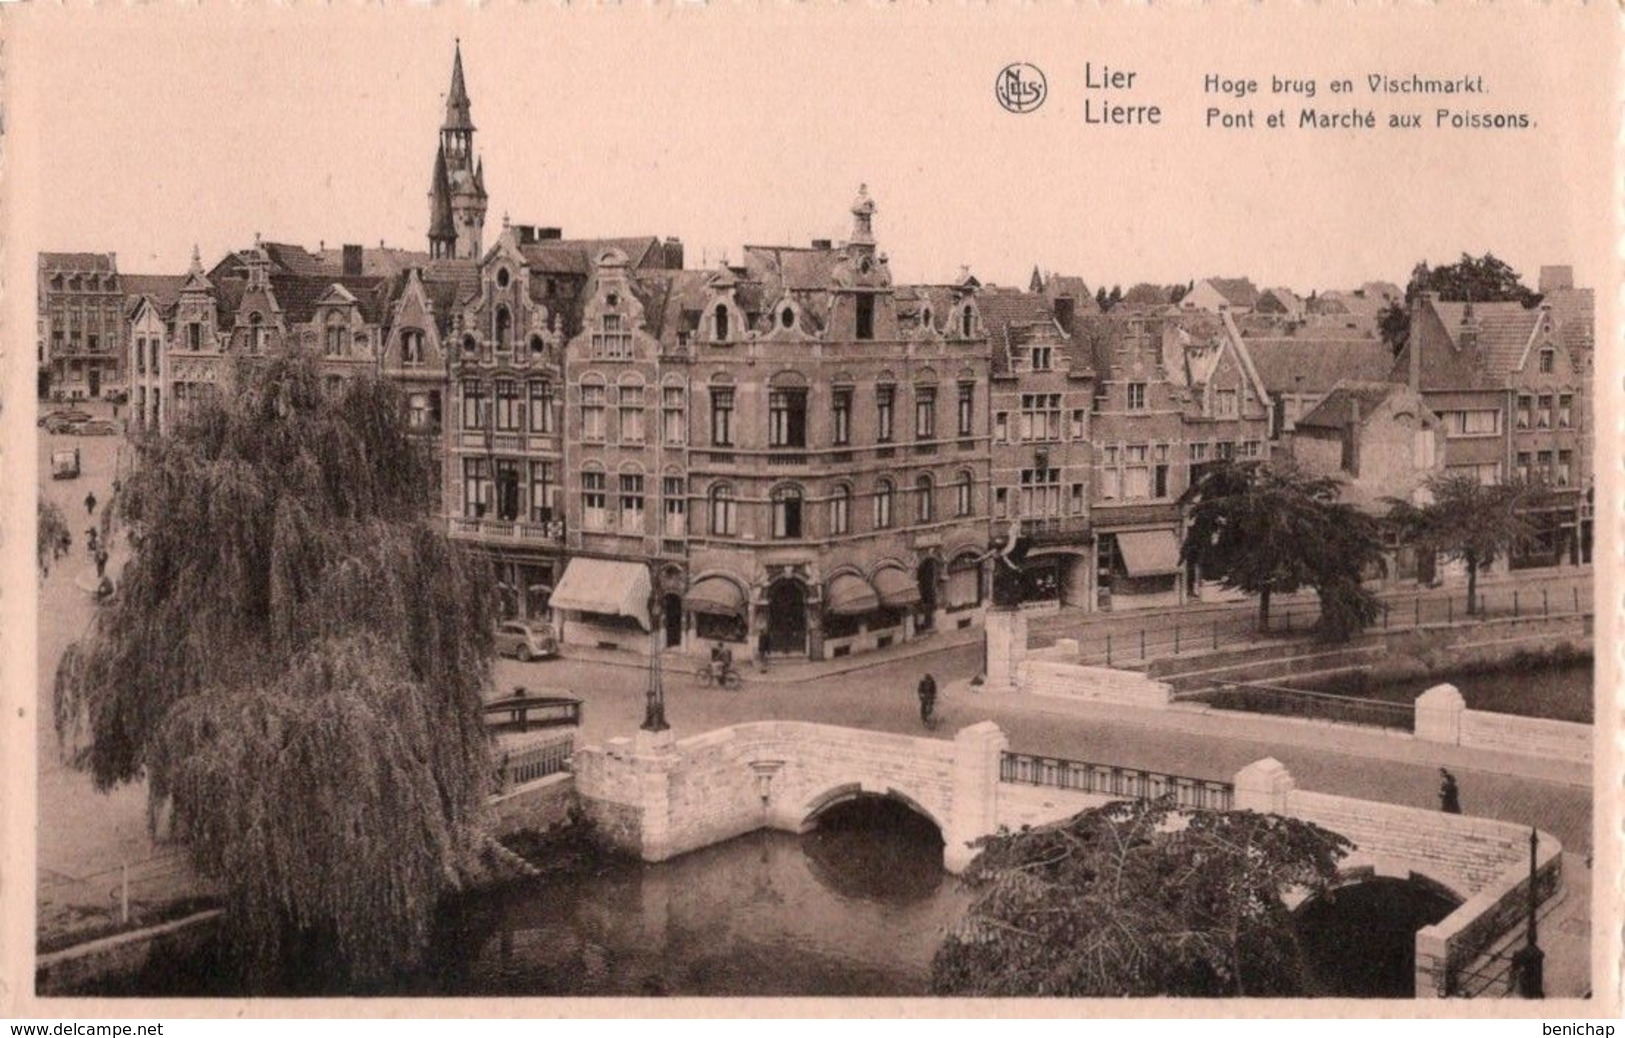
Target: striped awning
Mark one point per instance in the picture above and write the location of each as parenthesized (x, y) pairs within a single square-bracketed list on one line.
[(716, 596), (1149, 552), (606, 587), (850, 595), (897, 589)]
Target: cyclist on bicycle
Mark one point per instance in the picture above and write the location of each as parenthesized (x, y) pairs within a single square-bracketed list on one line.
[(722, 661)]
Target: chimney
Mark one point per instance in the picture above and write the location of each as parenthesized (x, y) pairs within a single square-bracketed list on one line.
[(672, 252), (1468, 336), (1351, 441), (823, 244), (352, 261)]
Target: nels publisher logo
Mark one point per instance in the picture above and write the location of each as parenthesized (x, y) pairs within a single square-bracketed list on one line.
[(1021, 87)]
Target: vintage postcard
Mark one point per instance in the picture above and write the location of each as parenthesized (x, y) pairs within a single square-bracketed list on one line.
[(933, 510)]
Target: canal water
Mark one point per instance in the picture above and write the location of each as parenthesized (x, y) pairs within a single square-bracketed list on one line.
[(854, 908)]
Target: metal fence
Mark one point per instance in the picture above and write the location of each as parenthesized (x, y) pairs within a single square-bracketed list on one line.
[(128, 894), (1118, 642), (1111, 780), (536, 760), (1294, 702)]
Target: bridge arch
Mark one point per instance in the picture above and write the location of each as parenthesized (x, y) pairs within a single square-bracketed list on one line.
[(1359, 937), (850, 791)]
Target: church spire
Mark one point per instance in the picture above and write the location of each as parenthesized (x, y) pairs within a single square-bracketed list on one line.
[(442, 228), (457, 104)]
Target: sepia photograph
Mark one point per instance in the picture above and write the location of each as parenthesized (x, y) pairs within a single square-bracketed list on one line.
[(924, 508)]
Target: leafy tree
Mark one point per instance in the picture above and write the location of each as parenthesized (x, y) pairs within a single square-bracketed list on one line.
[(1394, 325), (1482, 279), (1466, 521), (1115, 297), (1103, 299), (294, 664), (1267, 530), (1134, 899), (52, 537)]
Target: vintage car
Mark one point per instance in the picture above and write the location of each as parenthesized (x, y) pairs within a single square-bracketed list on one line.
[(95, 427), (63, 421), (65, 464), (526, 641)]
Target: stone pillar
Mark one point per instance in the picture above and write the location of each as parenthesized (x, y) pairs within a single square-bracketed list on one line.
[(973, 797), (1434, 976), (1005, 632), (1438, 715), (1264, 786)]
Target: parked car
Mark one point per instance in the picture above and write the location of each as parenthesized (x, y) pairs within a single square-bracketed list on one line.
[(95, 427), (63, 421), (526, 641), (65, 464)]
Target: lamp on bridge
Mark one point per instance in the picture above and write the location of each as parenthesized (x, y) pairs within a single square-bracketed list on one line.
[(1528, 962), (654, 710)]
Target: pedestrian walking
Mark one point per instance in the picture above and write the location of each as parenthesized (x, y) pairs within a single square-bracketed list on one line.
[(90, 503), (1449, 793), (928, 699), (101, 562)]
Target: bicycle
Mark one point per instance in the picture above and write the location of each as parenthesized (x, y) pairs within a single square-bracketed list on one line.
[(730, 678)]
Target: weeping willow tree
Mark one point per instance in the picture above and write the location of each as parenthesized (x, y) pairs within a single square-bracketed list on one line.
[(293, 664)]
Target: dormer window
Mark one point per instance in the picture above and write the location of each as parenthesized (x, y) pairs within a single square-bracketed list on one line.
[(412, 346), (1548, 361), (967, 322), (722, 323), (866, 317), (335, 334), (503, 278), (787, 317), (256, 333), (1040, 357)]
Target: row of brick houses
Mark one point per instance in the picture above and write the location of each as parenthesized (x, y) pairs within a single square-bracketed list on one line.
[(797, 455)]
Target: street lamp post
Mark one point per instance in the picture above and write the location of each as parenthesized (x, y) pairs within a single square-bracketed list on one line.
[(654, 711), (1528, 962)]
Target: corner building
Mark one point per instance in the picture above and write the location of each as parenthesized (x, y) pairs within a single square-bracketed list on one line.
[(796, 442)]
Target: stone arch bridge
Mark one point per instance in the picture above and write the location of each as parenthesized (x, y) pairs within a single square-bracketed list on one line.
[(657, 797)]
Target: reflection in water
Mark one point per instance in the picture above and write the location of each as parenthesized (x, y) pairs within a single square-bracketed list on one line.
[(856, 907), (1360, 940)]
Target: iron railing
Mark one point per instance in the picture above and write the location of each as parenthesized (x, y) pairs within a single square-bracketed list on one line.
[(539, 760), (1112, 780)]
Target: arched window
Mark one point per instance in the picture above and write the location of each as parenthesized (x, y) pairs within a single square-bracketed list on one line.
[(537, 346), (722, 510), (923, 505), (470, 345), (502, 278), (412, 346), (335, 334), (925, 318), (883, 503), (840, 510), (256, 333), (787, 317), (787, 513), (504, 326), (962, 494), (722, 323), (967, 322)]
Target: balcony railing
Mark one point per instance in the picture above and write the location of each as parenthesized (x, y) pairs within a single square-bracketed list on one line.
[(517, 767), (1053, 528), (508, 530)]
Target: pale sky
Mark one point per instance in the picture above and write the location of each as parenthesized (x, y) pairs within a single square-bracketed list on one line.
[(146, 128)]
